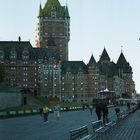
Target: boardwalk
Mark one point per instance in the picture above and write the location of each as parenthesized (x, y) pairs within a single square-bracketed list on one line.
[(129, 129), (33, 128)]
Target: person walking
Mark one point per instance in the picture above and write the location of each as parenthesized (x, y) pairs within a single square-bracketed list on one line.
[(45, 114), (57, 109), (91, 109), (105, 112), (98, 110), (128, 107)]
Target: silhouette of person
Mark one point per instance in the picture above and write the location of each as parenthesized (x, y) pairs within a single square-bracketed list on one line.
[(105, 112), (128, 107), (98, 110)]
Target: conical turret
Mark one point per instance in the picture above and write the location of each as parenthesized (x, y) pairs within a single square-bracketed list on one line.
[(123, 64), (104, 57), (92, 61)]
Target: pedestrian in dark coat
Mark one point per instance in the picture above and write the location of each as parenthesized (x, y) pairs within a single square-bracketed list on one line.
[(105, 112), (98, 110)]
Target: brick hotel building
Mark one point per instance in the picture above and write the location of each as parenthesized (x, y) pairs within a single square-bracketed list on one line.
[(46, 70)]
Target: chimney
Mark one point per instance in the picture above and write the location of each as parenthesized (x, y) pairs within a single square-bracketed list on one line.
[(19, 38)]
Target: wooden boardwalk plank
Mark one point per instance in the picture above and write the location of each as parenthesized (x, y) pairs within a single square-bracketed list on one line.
[(129, 129)]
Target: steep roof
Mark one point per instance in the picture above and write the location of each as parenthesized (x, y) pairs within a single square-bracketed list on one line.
[(51, 3), (92, 61), (123, 64), (44, 53), (104, 56), (73, 66), (61, 11), (19, 47), (108, 70)]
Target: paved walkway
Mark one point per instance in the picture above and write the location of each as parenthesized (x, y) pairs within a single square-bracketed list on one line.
[(33, 128), (129, 129)]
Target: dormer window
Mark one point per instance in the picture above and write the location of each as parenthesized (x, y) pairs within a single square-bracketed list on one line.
[(13, 54), (25, 54), (53, 12)]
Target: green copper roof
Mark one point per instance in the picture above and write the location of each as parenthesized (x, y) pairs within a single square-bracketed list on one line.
[(61, 11), (73, 66)]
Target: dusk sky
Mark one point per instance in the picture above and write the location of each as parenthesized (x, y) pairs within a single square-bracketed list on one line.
[(94, 24)]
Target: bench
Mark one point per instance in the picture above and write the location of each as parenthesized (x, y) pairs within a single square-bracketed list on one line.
[(100, 130), (79, 133), (96, 125)]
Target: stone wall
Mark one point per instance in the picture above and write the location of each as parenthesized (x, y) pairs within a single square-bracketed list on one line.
[(10, 99)]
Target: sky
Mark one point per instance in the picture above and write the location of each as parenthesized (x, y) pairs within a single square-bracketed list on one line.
[(94, 24)]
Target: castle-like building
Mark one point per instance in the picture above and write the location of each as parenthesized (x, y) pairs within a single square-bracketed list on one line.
[(54, 21), (46, 70)]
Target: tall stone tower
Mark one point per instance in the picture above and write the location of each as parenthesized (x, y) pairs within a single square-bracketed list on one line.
[(54, 26)]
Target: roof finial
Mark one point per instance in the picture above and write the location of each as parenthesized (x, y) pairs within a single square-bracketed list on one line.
[(121, 49)]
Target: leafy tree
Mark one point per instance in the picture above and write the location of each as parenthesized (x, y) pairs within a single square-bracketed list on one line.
[(2, 72)]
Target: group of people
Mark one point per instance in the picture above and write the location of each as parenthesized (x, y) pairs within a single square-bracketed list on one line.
[(45, 112), (102, 111)]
